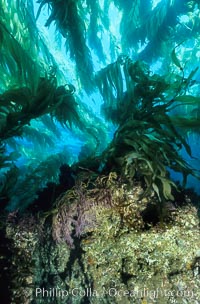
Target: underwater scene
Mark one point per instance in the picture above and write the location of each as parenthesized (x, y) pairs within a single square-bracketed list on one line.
[(100, 151)]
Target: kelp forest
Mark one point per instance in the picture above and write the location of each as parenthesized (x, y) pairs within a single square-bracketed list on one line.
[(99, 151)]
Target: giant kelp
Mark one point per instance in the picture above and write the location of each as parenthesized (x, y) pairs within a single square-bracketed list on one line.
[(147, 141), (32, 89), (66, 14), (20, 106), (141, 105), (153, 27), (95, 27), (114, 203)]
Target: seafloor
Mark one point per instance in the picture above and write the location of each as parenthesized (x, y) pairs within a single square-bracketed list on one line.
[(104, 244)]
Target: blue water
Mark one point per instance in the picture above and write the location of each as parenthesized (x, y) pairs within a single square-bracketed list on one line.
[(95, 100), (69, 143)]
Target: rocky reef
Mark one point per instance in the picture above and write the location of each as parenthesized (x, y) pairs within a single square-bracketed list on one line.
[(103, 242)]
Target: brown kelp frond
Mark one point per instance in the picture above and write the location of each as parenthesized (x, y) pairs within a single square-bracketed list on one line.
[(17, 50), (12, 103), (15, 60), (95, 27), (41, 139), (49, 167), (145, 150), (18, 107), (127, 86), (7, 159), (23, 59), (147, 141), (66, 14), (50, 125), (133, 16), (152, 26), (147, 109), (16, 98), (189, 124), (66, 110), (112, 82), (7, 182)]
